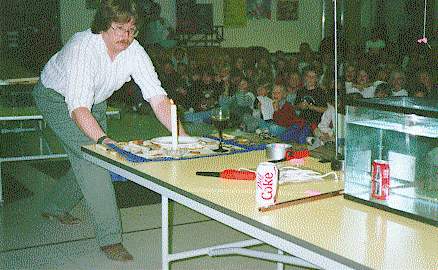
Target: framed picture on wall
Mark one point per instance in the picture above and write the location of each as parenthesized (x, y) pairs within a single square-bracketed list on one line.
[(258, 9), (287, 10), (92, 4)]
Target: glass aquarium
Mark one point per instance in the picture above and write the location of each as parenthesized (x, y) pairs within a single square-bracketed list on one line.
[(401, 132)]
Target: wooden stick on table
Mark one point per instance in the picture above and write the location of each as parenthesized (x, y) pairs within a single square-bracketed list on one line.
[(302, 200)]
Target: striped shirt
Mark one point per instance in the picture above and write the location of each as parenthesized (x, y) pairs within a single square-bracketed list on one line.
[(85, 75)]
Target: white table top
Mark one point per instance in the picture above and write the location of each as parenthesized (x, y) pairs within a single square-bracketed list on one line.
[(335, 227)]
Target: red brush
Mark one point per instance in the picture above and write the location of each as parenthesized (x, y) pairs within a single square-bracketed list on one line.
[(231, 174)]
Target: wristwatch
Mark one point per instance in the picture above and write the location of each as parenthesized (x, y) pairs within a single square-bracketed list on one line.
[(101, 139)]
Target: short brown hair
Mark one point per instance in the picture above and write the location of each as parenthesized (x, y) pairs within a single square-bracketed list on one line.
[(109, 11)]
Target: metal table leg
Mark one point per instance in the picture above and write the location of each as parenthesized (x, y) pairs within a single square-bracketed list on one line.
[(165, 232)]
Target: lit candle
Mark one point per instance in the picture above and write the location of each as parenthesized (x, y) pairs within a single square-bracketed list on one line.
[(174, 124)]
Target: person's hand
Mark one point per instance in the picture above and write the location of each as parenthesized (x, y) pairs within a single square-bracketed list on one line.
[(275, 105), (325, 137), (109, 141), (203, 106), (303, 105)]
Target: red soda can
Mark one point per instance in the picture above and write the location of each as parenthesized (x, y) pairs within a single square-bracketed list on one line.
[(380, 180), (266, 184)]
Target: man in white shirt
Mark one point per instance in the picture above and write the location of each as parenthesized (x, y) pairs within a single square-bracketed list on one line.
[(71, 96)]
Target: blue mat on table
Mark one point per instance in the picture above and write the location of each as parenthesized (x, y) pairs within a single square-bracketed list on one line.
[(138, 159)]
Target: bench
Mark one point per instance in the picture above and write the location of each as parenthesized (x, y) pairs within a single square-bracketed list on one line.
[(41, 144)]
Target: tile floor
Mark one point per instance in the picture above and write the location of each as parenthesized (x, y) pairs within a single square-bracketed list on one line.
[(30, 242)]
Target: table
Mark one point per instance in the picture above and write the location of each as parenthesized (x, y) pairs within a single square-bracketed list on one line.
[(35, 141), (332, 233)]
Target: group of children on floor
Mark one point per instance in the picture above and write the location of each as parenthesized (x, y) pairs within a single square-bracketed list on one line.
[(287, 96)]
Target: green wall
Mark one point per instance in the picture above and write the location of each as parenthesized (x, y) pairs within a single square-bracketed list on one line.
[(271, 34), (75, 17)]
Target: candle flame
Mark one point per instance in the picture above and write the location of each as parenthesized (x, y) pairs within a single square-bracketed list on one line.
[(171, 102)]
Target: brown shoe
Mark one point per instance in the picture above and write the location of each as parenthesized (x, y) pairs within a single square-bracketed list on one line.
[(66, 218), (117, 252)]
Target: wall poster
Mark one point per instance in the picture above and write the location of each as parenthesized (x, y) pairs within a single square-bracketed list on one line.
[(234, 13), (258, 9), (287, 10)]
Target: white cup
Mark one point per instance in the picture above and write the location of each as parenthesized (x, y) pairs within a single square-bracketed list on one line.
[(278, 151)]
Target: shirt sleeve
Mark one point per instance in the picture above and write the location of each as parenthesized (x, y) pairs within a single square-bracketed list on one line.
[(145, 76)]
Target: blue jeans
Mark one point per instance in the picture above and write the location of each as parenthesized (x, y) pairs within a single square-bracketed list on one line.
[(274, 129)]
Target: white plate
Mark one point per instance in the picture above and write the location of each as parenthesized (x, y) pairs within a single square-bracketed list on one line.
[(183, 142)]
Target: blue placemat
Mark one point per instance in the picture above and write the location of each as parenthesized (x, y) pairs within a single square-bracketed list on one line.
[(138, 159)]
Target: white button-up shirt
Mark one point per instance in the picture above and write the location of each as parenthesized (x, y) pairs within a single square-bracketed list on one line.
[(85, 75)]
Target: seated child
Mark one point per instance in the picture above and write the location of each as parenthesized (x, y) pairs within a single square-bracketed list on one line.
[(383, 90), (284, 114), (264, 106)]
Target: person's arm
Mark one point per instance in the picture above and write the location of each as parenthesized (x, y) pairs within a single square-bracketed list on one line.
[(161, 106), (316, 108), (326, 119), (88, 124)]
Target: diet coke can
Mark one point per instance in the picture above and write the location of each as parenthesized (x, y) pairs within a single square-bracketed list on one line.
[(380, 180), (266, 184)]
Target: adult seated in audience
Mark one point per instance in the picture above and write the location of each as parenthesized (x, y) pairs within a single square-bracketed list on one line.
[(363, 84), (311, 100), (397, 82)]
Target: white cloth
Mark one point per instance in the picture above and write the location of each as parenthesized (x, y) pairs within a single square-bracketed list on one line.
[(377, 83), (367, 92), (327, 119), (400, 93), (85, 75), (348, 87), (266, 107)]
